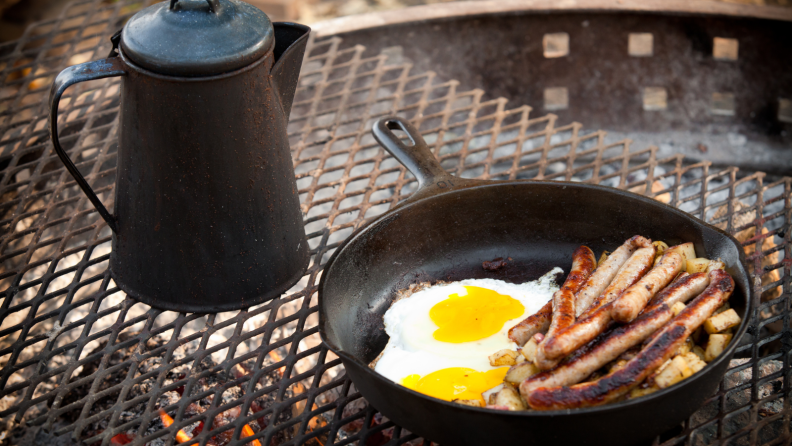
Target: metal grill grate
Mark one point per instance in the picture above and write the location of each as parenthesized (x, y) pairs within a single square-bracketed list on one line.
[(82, 360)]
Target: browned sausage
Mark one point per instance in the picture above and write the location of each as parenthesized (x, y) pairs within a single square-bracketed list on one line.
[(538, 322), (681, 290), (614, 385), (583, 263), (621, 339), (596, 319), (639, 263), (604, 274), (637, 296)]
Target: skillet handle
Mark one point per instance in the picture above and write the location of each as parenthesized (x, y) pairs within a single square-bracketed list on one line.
[(417, 157)]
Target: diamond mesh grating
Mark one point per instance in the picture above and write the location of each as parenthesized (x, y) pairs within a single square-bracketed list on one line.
[(83, 361)]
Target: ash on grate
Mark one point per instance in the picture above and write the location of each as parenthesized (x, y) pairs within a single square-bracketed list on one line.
[(737, 386), (215, 377)]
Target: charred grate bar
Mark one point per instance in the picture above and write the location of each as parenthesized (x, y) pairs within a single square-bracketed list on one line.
[(83, 363)]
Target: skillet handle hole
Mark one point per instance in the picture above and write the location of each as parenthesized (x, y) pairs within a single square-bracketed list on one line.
[(400, 133)]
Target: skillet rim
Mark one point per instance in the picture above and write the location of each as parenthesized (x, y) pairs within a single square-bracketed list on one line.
[(475, 184)]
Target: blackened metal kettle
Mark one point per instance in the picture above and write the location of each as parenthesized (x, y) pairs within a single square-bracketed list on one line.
[(206, 215)]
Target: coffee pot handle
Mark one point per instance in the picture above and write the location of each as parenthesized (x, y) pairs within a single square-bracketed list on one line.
[(98, 69)]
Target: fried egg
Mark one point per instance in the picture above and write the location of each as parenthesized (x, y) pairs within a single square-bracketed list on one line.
[(442, 335)]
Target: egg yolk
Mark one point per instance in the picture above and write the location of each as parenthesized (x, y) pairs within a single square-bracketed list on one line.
[(456, 383), (477, 315)]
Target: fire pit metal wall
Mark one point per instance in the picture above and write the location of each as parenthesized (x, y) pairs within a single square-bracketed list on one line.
[(80, 362)]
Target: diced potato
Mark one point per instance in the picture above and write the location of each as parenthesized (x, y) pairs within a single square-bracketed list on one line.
[(722, 322), (663, 367), (660, 248), (686, 250), (675, 372), (681, 363), (721, 309), (503, 357), (529, 349), (650, 381), (520, 359), (698, 265), (520, 372), (716, 264), (616, 365), (489, 395), (697, 366), (677, 308), (474, 403), (698, 351), (669, 376), (695, 362), (691, 357), (510, 398), (603, 257), (715, 346), (636, 392), (686, 347)]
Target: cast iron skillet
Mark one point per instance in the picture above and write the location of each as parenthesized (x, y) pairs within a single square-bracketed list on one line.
[(445, 231)]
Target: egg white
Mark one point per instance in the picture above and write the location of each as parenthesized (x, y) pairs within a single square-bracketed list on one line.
[(412, 348)]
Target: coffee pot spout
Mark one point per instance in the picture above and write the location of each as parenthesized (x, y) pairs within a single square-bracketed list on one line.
[(290, 42)]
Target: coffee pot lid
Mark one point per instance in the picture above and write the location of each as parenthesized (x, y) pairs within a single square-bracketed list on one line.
[(197, 37)]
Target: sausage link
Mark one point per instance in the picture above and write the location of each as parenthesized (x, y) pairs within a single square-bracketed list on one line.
[(721, 286), (684, 288), (639, 264), (614, 385), (691, 283), (538, 322), (605, 273), (636, 297), (602, 277), (663, 347), (621, 339), (583, 263), (596, 320)]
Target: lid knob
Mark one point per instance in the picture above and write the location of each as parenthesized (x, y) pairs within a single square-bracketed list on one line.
[(214, 5), (184, 38)]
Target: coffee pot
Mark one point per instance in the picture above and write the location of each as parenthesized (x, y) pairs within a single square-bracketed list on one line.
[(206, 215)]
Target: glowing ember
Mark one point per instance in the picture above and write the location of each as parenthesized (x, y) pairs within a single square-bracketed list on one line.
[(120, 439), (276, 358), (181, 436), (247, 431)]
